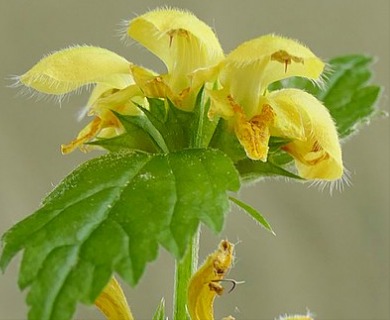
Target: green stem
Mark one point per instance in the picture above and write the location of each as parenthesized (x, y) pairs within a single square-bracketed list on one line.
[(183, 272), (185, 268)]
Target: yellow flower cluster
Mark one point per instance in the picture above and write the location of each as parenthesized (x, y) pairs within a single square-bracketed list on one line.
[(236, 84)]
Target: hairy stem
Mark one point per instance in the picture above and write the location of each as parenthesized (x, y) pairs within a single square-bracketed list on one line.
[(183, 272)]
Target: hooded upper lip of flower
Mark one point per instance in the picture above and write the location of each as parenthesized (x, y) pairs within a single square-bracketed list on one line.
[(183, 42), (257, 63), (256, 114)]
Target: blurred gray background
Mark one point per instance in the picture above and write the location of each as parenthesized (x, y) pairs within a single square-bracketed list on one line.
[(331, 253)]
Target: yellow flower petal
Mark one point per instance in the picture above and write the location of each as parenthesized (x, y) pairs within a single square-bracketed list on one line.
[(101, 88), (85, 135), (182, 41), (285, 58), (205, 75), (222, 104), (69, 69), (318, 155), (288, 119), (204, 285), (254, 134), (156, 86), (255, 64), (112, 302), (98, 91), (151, 84), (117, 100)]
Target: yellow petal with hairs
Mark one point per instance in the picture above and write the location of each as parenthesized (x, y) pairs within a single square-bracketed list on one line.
[(70, 69), (99, 91), (102, 88), (285, 58), (318, 155), (203, 76), (287, 119), (255, 64), (112, 302), (221, 104), (182, 41), (117, 100), (156, 86), (204, 285), (151, 83)]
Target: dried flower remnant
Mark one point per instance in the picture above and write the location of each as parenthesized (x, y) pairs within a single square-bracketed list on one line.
[(204, 285)]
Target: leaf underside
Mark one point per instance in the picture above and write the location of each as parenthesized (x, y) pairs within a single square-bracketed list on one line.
[(110, 215)]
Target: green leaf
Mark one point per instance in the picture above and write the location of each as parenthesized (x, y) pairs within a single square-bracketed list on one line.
[(349, 98), (174, 125), (127, 141), (357, 111), (157, 108), (111, 215), (179, 127), (144, 123), (225, 140), (275, 143), (253, 213), (251, 170), (160, 311), (347, 94), (202, 127)]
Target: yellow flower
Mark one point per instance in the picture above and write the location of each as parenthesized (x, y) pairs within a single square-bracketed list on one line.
[(188, 47), (256, 114), (204, 285), (70, 69), (112, 302)]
